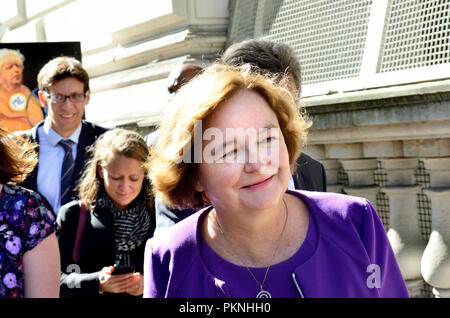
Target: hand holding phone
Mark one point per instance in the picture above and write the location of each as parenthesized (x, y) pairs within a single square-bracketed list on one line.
[(117, 279)]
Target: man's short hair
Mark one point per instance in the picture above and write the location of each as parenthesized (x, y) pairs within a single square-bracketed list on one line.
[(60, 68), (180, 76), (267, 56)]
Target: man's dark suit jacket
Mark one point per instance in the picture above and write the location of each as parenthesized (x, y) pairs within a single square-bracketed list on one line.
[(309, 175), (89, 133)]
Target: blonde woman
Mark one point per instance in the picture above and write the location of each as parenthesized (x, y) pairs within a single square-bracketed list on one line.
[(29, 255), (115, 190), (230, 146)]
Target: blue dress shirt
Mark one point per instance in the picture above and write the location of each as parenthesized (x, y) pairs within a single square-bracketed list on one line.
[(51, 156)]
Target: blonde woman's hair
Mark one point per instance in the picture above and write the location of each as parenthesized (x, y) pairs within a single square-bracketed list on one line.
[(113, 142), (172, 177)]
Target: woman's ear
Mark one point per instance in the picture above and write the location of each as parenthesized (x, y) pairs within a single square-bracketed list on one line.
[(205, 198), (198, 186)]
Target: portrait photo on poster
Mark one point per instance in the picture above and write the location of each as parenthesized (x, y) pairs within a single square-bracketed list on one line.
[(20, 63)]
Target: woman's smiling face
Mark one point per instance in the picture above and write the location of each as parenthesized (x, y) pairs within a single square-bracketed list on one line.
[(251, 171)]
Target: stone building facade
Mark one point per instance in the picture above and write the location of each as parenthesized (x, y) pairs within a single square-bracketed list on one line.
[(376, 83)]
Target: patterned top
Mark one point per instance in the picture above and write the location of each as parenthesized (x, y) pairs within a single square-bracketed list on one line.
[(25, 220)]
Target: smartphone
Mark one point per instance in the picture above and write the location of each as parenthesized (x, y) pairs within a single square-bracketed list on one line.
[(122, 269)]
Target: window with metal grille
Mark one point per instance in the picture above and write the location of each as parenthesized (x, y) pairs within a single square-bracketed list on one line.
[(331, 37), (417, 34), (243, 21), (328, 36)]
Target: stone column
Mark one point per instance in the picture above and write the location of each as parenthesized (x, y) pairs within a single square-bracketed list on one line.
[(404, 230), (332, 167), (435, 263), (360, 178), (404, 234)]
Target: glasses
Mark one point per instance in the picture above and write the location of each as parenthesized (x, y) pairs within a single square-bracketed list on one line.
[(59, 99)]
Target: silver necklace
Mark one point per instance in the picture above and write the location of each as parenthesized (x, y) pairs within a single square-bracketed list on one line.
[(262, 293)]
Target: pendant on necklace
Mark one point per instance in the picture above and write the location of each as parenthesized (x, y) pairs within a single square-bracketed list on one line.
[(263, 294)]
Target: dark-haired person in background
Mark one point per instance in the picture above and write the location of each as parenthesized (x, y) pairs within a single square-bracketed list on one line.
[(176, 79), (165, 216)]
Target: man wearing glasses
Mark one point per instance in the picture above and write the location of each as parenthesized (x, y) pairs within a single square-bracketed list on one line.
[(63, 136)]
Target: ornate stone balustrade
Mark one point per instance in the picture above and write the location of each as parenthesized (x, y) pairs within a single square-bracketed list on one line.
[(332, 168), (418, 258), (435, 263), (404, 234), (404, 229)]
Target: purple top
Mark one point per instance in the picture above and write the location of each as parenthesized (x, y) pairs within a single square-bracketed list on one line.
[(346, 253)]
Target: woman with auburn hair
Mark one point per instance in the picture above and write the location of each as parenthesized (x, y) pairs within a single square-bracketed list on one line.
[(29, 256), (106, 257), (230, 146)]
